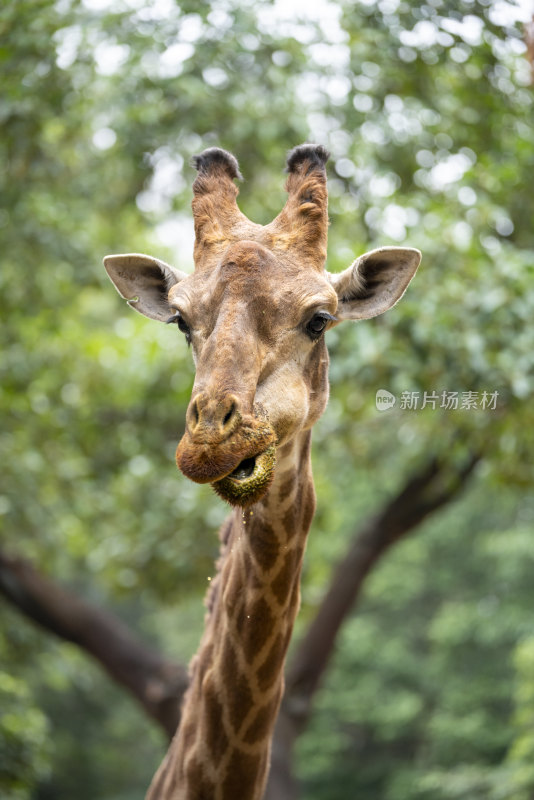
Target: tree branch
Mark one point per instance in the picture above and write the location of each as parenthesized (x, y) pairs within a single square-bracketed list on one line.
[(425, 492), (156, 683)]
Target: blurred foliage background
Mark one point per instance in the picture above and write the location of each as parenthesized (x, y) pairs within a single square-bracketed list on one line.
[(427, 109)]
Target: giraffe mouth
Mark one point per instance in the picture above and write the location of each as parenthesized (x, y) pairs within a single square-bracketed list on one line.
[(250, 480), (244, 470)]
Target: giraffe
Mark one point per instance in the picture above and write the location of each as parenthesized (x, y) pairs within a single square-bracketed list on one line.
[(255, 312)]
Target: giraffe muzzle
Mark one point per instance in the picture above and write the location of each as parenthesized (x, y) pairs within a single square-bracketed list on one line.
[(240, 467)]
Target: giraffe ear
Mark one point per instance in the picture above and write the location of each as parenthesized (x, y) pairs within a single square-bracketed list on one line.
[(375, 282), (144, 282)]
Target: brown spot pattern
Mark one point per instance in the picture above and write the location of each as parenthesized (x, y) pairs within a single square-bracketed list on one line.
[(229, 659), (260, 726), (216, 738), (265, 546), (240, 616), (283, 583), (256, 629), (202, 788), (241, 777), (232, 585), (270, 670), (289, 521), (288, 486), (251, 571), (308, 508), (238, 698)]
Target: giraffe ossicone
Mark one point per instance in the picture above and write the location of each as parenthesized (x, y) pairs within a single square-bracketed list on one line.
[(255, 311)]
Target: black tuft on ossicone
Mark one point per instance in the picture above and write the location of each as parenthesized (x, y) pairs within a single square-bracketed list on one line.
[(216, 156), (315, 153)]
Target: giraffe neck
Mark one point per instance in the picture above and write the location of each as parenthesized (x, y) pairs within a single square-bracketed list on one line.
[(222, 748)]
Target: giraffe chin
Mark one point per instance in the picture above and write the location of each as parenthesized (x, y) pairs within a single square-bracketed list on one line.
[(249, 481)]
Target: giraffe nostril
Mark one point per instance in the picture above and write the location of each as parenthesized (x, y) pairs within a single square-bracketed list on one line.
[(193, 415), (212, 416), (229, 414)]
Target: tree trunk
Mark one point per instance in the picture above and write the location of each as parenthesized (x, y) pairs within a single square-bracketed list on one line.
[(155, 682)]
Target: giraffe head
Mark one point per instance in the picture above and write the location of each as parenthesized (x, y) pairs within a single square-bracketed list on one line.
[(255, 312)]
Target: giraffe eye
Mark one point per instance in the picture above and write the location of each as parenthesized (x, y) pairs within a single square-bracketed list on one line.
[(318, 323), (178, 320)]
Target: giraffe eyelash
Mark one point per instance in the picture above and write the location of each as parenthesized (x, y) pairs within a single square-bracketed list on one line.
[(178, 320), (316, 326)]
